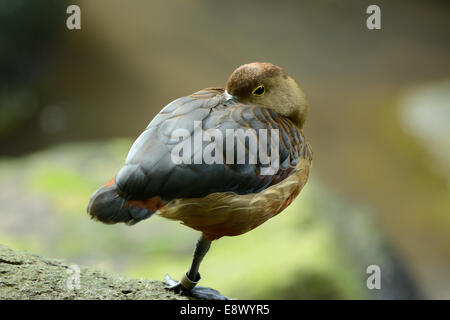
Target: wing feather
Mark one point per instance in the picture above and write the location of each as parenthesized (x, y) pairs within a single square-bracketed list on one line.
[(149, 170)]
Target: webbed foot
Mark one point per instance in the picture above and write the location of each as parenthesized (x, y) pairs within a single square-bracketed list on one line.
[(188, 288)]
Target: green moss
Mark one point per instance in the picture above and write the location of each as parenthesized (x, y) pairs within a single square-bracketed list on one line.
[(59, 181)]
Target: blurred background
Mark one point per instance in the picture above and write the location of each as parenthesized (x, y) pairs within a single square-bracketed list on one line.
[(72, 102)]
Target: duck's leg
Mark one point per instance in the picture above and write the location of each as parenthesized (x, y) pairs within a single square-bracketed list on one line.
[(190, 279)]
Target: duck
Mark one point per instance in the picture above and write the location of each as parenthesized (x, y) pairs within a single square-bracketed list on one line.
[(252, 164)]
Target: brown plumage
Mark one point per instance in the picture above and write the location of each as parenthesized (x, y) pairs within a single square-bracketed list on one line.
[(216, 199), (229, 214)]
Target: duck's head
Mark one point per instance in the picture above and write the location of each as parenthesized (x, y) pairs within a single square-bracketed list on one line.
[(267, 85)]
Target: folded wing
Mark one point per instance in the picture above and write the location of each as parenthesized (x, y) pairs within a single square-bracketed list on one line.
[(207, 124)]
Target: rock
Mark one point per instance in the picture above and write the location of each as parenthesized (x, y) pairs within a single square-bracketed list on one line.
[(28, 276)]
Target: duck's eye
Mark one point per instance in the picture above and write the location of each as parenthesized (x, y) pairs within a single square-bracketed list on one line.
[(259, 90)]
